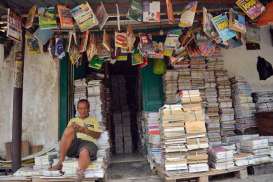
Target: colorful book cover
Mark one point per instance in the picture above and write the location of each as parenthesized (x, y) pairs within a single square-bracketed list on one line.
[(43, 35), (30, 17), (135, 10), (14, 26), (151, 11), (47, 18), (96, 63), (145, 44), (74, 54), (252, 8), (92, 47), (131, 38), (208, 27), (66, 20), (32, 44), (101, 15), (121, 40), (253, 38), (188, 14), (84, 16), (237, 21), (170, 15), (220, 23), (106, 41), (84, 41), (59, 48), (137, 58)]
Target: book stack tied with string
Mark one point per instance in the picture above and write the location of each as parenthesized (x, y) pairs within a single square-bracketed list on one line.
[(80, 90), (170, 86), (197, 141), (198, 68), (173, 138), (184, 77), (151, 129), (263, 101), (243, 105), (226, 111), (221, 157), (212, 108)]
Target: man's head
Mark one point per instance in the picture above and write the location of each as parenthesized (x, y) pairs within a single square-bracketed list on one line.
[(83, 107)]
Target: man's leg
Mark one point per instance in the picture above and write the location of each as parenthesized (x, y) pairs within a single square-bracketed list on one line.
[(65, 143), (84, 159)]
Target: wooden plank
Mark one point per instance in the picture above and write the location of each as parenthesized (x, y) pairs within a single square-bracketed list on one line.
[(15, 179), (240, 172), (59, 179)]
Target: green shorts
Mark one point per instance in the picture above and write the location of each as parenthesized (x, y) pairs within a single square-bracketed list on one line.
[(78, 144)]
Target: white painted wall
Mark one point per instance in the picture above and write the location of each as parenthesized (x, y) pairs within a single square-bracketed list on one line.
[(40, 100), (239, 61), (6, 96)]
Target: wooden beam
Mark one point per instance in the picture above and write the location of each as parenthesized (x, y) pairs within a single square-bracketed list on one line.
[(17, 105)]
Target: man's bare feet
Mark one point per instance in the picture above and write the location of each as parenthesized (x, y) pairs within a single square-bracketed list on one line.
[(57, 167), (80, 175)]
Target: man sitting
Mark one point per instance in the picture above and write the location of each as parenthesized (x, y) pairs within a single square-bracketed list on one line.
[(79, 139)]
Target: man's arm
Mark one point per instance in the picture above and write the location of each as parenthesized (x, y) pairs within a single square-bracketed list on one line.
[(86, 131)]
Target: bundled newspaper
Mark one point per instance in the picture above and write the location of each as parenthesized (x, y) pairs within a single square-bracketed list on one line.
[(263, 101)]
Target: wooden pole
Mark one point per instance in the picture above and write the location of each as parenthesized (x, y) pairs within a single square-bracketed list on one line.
[(17, 105)]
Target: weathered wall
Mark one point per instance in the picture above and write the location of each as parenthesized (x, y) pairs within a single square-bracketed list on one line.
[(6, 96), (40, 100), (239, 61)]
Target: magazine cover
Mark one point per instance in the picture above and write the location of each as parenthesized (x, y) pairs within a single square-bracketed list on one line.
[(30, 17), (106, 41), (101, 15), (208, 27), (66, 20), (151, 11), (43, 35), (188, 14), (47, 18), (253, 38), (121, 40), (32, 44), (14, 26), (135, 10), (252, 8), (220, 22), (84, 16), (169, 4), (237, 21), (130, 38), (137, 58)]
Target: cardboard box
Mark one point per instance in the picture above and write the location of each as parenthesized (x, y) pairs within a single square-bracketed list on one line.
[(25, 149)]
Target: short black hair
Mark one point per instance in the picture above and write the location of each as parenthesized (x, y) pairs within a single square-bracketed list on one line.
[(84, 101)]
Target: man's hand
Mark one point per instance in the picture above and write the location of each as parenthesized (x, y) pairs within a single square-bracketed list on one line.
[(77, 127)]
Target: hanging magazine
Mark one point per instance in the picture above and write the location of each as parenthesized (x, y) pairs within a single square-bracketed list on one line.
[(253, 38), (32, 44), (43, 35), (130, 38), (208, 27), (66, 20), (59, 48), (188, 14), (101, 15), (237, 21), (220, 22), (121, 40), (252, 8), (106, 41), (84, 16), (14, 26), (47, 18), (169, 4), (30, 17), (151, 11), (137, 58), (135, 10)]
